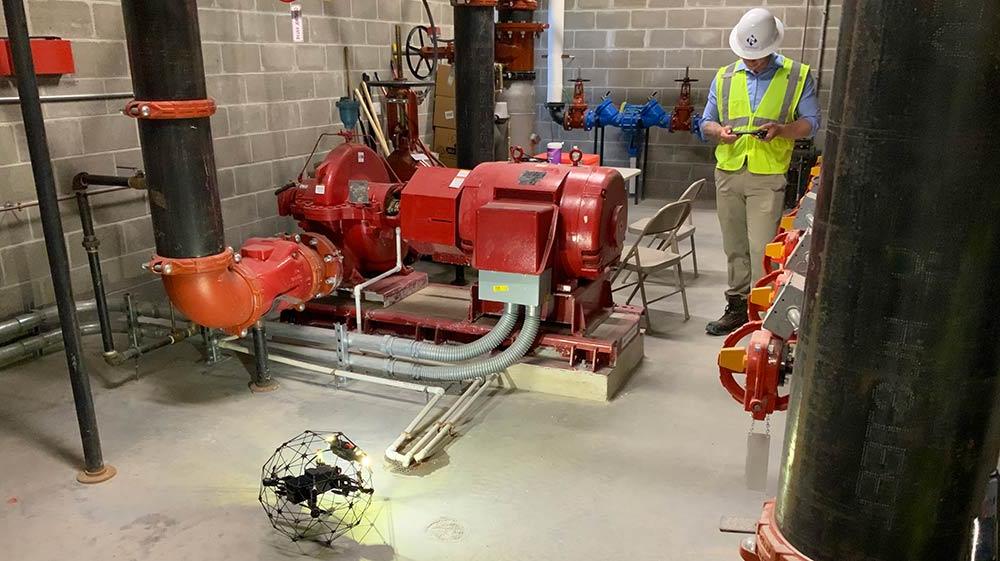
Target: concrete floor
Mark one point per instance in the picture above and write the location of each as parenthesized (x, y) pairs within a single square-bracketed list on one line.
[(644, 477)]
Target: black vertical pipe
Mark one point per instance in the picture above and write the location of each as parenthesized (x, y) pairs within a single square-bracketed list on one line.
[(164, 51), (92, 246), (262, 370), (474, 95), (55, 244), (894, 425)]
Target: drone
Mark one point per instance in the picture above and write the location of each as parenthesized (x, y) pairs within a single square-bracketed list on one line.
[(316, 487)]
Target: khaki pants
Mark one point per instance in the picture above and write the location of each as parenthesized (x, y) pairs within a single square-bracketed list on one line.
[(750, 208)]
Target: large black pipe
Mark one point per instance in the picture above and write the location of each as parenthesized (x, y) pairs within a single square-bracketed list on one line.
[(474, 95), (164, 50), (55, 244), (894, 426)]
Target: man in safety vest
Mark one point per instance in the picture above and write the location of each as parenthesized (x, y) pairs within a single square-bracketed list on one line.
[(756, 108)]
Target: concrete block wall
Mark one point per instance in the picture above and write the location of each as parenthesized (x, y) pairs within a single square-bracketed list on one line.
[(275, 97), (635, 47)]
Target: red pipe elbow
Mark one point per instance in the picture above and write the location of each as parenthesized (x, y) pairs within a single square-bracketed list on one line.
[(232, 291)]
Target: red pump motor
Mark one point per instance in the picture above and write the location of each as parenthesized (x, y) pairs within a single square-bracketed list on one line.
[(352, 201), (517, 220)]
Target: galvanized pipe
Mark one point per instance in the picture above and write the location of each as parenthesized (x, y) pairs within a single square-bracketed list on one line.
[(894, 425), (67, 98)]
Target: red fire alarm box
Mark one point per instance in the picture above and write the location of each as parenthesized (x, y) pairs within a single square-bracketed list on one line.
[(51, 55)]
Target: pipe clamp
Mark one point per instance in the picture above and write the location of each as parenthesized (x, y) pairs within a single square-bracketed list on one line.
[(162, 110)]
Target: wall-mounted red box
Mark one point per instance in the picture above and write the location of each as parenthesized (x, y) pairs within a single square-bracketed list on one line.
[(51, 55)]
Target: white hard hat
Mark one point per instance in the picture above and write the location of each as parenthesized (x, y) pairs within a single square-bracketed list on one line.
[(757, 35)]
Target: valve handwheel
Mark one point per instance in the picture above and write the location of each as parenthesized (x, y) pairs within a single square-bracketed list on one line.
[(761, 294), (762, 362), (417, 40)]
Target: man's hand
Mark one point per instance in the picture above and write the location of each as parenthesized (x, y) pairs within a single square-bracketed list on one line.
[(726, 135), (773, 130)]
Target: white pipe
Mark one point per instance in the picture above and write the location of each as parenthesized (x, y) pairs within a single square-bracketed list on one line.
[(557, 13), (392, 452), (448, 419), (359, 287), (431, 434), (446, 427)]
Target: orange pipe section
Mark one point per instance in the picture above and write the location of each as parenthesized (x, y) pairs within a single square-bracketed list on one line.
[(232, 291)]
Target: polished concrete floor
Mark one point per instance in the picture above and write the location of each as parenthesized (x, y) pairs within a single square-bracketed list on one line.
[(531, 477)]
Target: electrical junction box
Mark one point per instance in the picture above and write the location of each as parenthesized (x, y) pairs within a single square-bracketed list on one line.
[(515, 288), (51, 55)]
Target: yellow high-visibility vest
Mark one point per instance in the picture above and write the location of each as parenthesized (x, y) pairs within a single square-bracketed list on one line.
[(777, 106)]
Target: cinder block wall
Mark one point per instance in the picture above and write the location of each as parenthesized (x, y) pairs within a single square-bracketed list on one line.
[(635, 47), (275, 98)]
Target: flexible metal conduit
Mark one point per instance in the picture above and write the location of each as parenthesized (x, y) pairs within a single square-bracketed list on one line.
[(419, 350), (458, 372)]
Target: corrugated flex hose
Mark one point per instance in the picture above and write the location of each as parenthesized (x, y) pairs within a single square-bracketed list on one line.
[(407, 348), (458, 372)]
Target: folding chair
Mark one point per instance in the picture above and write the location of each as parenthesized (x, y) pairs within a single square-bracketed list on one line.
[(645, 261), (687, 231)]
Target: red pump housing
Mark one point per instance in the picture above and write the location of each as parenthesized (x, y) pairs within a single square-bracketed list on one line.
[(352, 201)]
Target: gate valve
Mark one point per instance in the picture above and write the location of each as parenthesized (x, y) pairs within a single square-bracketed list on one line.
[(776, 253), (766, 361)]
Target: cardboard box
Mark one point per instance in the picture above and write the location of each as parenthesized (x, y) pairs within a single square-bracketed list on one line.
[(445, 82), (444, 112), (445, 142)]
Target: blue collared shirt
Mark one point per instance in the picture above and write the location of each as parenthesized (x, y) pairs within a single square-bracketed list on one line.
[(757, 84)]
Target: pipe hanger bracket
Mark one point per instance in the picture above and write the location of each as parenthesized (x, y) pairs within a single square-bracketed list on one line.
[(177, 109)]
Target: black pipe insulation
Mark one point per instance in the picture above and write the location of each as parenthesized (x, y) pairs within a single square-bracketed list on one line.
[(164, 51), (52, 228), (475, 106), (894, 425)]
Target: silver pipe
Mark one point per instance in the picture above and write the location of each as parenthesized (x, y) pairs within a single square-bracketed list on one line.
[(19, 325), (457, 372), (50, 340), (66, 98), (401, 347)]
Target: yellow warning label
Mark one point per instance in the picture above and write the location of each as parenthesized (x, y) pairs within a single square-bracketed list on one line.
[(501, 288)]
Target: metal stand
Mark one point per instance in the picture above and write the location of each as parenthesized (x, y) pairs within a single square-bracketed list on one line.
[(261, 380), (599, 144), (459, 279), (95, 470)]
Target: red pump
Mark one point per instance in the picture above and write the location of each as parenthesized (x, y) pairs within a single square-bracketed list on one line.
[(519, 218), (352, 202)]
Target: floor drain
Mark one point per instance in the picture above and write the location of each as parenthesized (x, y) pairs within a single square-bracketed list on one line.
[(446, 530)]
